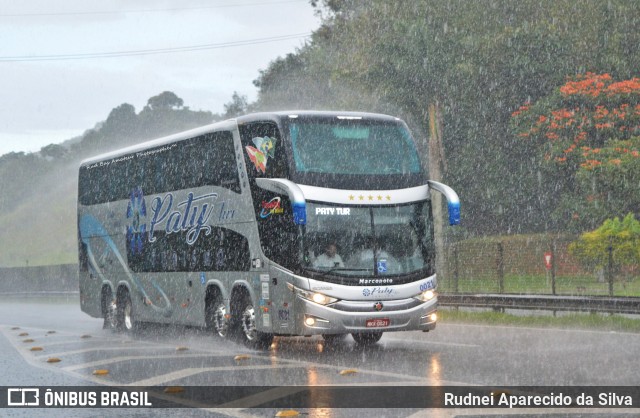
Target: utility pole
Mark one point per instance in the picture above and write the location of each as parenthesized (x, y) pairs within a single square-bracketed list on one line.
[(437, 164)]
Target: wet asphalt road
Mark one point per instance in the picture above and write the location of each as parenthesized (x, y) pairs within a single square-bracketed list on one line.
[(452, 355)]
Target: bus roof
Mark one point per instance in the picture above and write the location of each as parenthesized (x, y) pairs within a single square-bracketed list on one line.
[(312, 113), (230, 124)]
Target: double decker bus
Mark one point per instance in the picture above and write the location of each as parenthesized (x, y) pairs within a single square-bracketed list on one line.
[(270, 224)]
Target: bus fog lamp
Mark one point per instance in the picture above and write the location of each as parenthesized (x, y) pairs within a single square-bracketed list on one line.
[(313, 321)]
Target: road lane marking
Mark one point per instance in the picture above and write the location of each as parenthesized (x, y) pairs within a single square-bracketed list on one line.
[(89, 350), (431, 342), (181, 374), (267, 396), (129, 358)]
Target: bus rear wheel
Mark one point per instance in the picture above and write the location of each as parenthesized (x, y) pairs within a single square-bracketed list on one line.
[(217, 318), (109, 312), (367, 338), (125, 320), (250, 335)]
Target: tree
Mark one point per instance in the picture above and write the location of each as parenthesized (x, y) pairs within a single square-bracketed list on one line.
[(473, 63), (53, 151), (122, 120), (622, 238), (164, 101), (164, 114), (586, 136), (236, 107)]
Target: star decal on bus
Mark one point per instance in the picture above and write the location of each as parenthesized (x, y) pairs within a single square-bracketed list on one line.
[(379, 197)]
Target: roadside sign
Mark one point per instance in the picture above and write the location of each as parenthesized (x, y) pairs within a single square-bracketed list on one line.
[(548, 258)]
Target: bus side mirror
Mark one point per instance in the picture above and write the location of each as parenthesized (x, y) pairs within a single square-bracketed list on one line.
[(289, 188), (453, 201)]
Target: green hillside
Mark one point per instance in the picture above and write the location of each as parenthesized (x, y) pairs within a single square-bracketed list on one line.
[(41, 230), (38, 190)]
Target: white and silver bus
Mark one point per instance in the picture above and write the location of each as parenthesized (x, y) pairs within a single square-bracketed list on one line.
[(271, 224)]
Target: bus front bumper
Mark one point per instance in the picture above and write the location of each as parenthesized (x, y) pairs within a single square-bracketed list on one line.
[(358, 317)]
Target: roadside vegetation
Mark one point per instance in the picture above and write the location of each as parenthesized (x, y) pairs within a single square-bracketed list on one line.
[(587, 321)]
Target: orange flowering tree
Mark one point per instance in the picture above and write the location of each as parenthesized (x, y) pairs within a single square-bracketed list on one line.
[(586, 138)]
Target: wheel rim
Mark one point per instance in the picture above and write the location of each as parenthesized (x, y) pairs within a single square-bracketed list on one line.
[(128, 320), (220, 322), (249, 323)]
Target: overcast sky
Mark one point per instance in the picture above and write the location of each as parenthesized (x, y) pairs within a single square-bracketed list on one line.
[(56, 83)]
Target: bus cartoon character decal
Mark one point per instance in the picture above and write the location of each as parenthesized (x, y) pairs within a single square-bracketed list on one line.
[(136, 212), (259, 155)]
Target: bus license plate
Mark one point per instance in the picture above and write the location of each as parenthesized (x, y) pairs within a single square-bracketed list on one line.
[(378, 323)]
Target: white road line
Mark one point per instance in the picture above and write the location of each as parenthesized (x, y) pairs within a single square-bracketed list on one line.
[(181, 374), (89, 350), (262, 397), (128, 358), (426, 342)]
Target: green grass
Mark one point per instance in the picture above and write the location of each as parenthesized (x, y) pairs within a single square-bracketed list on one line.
[(605, 322), (568, 285)]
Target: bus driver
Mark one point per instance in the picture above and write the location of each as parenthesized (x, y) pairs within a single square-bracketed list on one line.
[(329, 258)]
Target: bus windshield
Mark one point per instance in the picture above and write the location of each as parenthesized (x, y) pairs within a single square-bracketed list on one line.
[(368, 241), (352, 147)]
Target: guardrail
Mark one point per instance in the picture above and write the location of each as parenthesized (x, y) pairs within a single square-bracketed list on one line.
[(604, 304)]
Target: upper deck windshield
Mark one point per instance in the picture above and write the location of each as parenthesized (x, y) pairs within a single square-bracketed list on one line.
[(368, 241), (352, 146)]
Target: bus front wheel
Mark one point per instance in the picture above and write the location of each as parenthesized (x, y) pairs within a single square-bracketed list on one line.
[(251, 337), (367, 338)]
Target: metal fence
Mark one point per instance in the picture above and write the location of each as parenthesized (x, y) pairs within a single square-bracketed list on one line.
[(530, 265)]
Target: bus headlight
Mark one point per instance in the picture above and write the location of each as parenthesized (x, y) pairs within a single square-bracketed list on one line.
[(426, 296), (316, 297)]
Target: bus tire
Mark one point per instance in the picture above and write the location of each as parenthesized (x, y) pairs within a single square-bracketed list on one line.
[(367, 338), (248, 331), (216, 315), (125, 318), (108, 309)]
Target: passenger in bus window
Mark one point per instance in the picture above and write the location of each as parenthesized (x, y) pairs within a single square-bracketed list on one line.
[(329, 258), (364, 258)]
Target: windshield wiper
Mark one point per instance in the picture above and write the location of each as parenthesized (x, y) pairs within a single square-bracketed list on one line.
[(345, 269)]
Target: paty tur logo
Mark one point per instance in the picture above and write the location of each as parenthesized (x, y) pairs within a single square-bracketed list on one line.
[(137, 227)]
